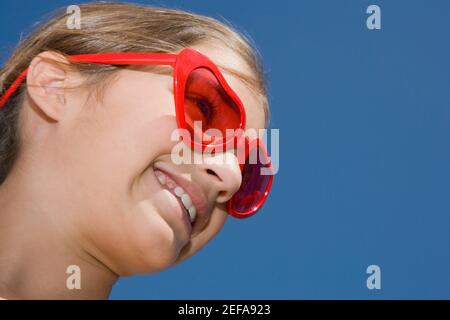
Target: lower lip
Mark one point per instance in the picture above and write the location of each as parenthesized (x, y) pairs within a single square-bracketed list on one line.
[(180, 211), (184, 214)]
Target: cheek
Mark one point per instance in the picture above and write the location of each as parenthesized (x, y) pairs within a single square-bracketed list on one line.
[(130, 235), (118, 138), (111, 145)]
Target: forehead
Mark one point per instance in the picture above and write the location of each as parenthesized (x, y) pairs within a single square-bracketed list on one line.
[(224, 57)]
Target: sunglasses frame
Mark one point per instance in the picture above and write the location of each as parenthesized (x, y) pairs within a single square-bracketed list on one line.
[(249, 146), (183, 63)]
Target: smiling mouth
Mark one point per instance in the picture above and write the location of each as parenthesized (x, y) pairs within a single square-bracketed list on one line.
[(182, 196)]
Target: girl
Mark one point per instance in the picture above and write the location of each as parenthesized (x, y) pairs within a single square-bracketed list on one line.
[(87, 182)]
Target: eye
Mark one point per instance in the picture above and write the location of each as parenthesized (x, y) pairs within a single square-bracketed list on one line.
[(206, 108), (202, 108)]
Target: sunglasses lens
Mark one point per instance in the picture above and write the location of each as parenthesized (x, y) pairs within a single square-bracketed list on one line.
[(208, 106), (253, 191)]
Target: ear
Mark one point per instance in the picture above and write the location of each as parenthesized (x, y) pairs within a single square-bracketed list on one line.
[(46, 82)]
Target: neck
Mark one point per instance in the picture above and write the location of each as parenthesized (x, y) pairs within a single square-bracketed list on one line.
[(37, 248)]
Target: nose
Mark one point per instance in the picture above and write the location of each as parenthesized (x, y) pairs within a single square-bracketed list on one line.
[(223, 174)]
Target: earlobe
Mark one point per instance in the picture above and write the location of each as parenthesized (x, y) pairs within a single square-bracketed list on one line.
[(46, 83)]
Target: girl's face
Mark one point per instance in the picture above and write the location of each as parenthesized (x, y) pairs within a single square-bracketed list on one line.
[(116, 169)]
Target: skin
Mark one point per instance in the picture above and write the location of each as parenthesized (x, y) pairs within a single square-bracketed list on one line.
[(83, 190)]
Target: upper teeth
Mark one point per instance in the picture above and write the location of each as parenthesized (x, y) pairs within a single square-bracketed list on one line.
[(179, 193)]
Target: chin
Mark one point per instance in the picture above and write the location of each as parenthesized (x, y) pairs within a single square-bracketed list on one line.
[(154, 253)]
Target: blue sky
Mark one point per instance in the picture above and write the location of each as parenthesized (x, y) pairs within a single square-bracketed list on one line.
[(364, 119)]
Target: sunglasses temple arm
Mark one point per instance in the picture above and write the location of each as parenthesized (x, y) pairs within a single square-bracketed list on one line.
[(13, 88), (134, 58), (103, 58)]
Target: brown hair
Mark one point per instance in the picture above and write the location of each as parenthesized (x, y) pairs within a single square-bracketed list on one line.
[(115, 27)]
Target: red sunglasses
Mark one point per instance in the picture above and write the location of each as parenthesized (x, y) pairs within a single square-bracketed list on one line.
[(202, 96)]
